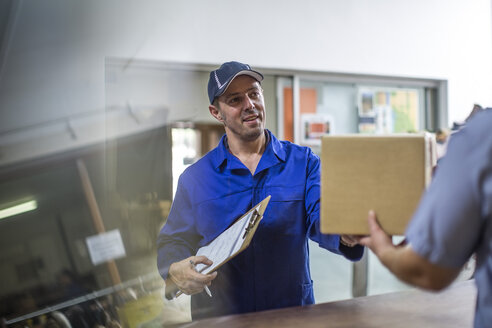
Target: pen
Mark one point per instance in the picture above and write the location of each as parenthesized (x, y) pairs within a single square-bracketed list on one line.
[(206, 287)]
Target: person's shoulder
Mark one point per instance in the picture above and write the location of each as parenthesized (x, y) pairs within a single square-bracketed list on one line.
[(482, 117), (474, 136), (480, 124)]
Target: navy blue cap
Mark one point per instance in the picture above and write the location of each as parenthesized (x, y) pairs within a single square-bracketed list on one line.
[(223, 76)]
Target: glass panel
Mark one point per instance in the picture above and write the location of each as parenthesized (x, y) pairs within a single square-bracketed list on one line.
[(90, 245), (325, 108), (390, 110)]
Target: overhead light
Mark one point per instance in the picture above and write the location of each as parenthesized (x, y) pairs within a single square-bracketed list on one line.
[(18, 209)]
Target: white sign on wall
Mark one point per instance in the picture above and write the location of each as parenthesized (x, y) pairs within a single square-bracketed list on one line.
[(106, 246)]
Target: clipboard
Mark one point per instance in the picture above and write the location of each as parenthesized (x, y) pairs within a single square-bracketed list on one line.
[(233, 240)]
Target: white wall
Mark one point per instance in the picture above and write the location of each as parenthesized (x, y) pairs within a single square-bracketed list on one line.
[(54, 64)]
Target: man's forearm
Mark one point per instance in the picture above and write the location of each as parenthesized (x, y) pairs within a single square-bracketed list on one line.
[(408, 266)]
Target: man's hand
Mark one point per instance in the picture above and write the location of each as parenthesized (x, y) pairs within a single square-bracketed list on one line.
[(185, 277), (378, 241), (349, 240)]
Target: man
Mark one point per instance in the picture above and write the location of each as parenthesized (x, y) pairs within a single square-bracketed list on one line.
[(453, 221), (249, 164)]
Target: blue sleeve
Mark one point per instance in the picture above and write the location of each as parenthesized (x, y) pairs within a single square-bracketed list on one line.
[(329, 242), (177, 239)]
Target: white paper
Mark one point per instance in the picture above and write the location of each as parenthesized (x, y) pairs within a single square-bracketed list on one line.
[(106, 246), (225, 245)]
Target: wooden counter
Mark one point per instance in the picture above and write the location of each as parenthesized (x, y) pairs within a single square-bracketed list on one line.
[(453, 307)]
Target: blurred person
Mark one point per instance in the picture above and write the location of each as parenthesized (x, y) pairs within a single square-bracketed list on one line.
[(452, 222), (443, 136), (441, 142), (476, 109), (458, 125), (71, 285), (249, 164)]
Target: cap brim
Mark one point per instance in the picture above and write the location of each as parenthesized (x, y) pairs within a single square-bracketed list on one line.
[(256, 75)]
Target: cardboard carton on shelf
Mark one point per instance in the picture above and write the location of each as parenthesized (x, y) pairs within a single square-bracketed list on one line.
[(386, 173)]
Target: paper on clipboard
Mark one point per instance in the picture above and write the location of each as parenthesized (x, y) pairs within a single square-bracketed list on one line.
[(233, 240)]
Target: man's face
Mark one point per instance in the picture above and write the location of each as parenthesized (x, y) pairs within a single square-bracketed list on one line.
[(242, 108)]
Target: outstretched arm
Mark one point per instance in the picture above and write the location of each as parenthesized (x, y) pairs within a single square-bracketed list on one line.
[(403, 262)]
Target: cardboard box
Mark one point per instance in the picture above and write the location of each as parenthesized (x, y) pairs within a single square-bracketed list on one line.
[(385, 173)]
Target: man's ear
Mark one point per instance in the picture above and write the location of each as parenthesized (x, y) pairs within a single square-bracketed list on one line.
[(215, 113)]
